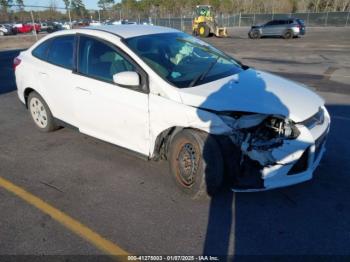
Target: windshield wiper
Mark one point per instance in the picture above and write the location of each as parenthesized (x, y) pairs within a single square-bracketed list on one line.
[(201, 76)]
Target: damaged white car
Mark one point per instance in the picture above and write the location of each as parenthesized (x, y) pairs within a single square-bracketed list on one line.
[(165, 94)]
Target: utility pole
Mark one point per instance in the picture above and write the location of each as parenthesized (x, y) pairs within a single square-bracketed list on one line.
[(33, 23), (347, 19), (70, 18)]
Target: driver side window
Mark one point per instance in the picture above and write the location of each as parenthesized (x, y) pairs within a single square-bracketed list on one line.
[(99, 60), (271, 23)]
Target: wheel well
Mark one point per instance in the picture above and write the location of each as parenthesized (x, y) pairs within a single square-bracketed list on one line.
[(27, 91), (162, 142)]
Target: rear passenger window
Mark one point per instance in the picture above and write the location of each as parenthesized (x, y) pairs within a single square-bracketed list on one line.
[(41, 51), (99, 60), (61, 51)]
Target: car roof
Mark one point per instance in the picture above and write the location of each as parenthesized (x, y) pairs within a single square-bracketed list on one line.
[(131, 30)]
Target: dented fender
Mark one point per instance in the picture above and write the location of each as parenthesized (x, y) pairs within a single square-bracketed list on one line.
[(165, 114)]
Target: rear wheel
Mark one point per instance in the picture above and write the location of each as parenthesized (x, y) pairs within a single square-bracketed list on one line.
[(41, 113), (203, 30), (1, 33), (196, 163), (288, 34)]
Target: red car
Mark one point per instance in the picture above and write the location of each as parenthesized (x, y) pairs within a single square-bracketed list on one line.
[(26, 28)]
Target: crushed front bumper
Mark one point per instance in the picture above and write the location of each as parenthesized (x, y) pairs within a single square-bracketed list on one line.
[(297, 160)]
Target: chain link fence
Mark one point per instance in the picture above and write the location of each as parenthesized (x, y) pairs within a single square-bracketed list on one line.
[(311, 19), (40, 14)]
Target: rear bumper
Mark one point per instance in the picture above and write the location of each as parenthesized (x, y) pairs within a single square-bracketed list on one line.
[(302, 32)]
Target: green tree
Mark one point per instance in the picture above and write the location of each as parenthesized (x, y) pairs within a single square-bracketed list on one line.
[(78, 8), (66, 4), (5, 4), (104, 4)]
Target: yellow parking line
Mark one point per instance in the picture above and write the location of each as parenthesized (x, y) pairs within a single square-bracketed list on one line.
[(69, 222)]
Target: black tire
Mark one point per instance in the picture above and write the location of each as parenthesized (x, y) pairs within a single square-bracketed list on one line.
[(196, 163), (288, 34), (255, 34), (203, 30), (33, 103)]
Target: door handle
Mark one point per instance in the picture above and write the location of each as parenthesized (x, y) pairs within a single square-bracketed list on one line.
[(82, 89)]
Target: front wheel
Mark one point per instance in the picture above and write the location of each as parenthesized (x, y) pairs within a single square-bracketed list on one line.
[(255, 34), (288, 34), (41, 113), (196, 163), (203, 30)]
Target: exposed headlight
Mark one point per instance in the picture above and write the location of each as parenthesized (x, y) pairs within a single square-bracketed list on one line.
[(282, 127), (263, 126)]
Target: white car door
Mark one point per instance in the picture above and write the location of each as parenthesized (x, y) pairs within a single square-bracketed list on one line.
[(103, 109), (55, 74)]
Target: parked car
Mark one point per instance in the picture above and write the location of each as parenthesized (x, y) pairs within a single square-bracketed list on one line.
[(44, 26), (4, 30), (26, 28), (286, 28), (11, 28), (95, 23), (167, 95), (54, 27), (66, 25), (7, 29)]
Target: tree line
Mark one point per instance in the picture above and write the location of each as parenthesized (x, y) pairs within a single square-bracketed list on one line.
[(176, 8), (133, 9)]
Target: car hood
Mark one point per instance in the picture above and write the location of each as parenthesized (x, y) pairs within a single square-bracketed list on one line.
[(255, 92)]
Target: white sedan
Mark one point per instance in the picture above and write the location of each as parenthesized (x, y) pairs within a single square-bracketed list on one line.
[(167, 95)]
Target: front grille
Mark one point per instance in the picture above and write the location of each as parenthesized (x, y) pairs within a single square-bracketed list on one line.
[(316, 119)]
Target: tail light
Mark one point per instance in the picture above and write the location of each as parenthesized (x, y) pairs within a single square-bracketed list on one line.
[(16, 62)]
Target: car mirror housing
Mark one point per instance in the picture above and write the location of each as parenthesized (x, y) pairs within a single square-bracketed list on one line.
[(127, 79)]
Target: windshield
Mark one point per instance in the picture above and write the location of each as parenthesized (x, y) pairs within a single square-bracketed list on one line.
[(183, 60)]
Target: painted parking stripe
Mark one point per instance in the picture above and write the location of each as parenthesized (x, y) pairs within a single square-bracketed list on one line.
[(69, 222)]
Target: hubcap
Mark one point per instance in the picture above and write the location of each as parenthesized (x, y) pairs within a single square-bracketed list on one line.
[(201, 30), (187, 164), (38, 112)]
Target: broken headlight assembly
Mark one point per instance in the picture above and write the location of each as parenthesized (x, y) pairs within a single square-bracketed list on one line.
[(259, 131), (279, 128)]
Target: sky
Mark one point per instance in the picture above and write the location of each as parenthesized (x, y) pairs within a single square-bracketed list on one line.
[(89, 4)]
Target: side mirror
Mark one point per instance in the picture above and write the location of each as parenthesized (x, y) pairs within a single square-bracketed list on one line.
[(127, 79)]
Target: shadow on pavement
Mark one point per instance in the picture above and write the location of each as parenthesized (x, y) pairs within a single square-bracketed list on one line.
[(306, 219)]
